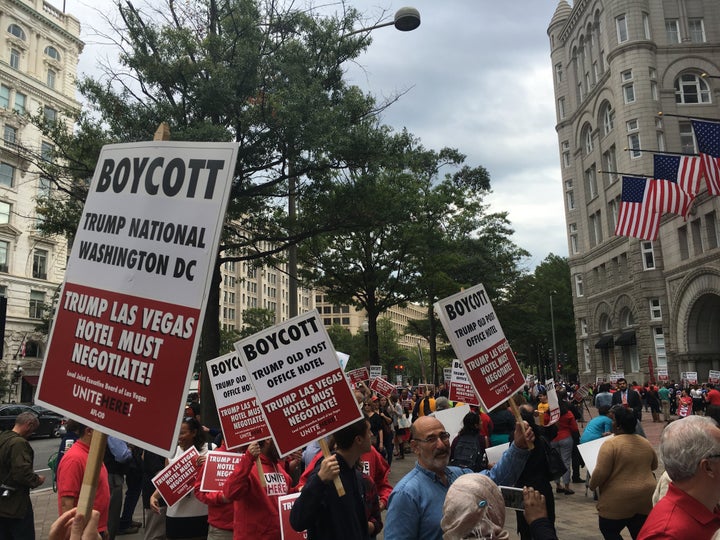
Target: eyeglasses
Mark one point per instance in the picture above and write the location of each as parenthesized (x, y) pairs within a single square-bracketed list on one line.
[(444, 436)]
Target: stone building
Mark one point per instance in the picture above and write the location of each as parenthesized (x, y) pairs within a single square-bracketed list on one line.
[(38, 67), (639, 305)]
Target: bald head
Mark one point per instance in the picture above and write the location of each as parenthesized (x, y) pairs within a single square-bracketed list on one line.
[(423, 425)]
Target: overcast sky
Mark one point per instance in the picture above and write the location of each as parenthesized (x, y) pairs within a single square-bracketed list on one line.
[(478, 78)]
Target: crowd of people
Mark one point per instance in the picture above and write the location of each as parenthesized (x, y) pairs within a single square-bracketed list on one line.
[(452, 492)]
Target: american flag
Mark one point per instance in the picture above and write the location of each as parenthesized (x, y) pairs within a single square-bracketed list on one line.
[(668, 197), (638, 216), (707, 135), (685, 170)]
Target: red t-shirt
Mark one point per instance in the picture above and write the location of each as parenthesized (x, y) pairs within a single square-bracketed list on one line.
[(713, 397), (70, 476)]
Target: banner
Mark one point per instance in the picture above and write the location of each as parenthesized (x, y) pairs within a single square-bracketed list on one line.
[(128, 320), (479, 343), (298, 381), (218, 467), (178, 478), (241, 418), (460, 387), (382, 387)]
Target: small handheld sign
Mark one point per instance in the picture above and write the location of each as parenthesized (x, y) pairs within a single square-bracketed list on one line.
[(178, 478)]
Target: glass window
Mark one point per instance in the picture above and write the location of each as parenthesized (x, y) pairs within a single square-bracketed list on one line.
[(596, 236), (608, 118), (609, 164), (629, 93), (39, 270), (19, 103), (9, 134), (51, 75), (711, 230), (697, 30), (613, 209), (16, 31), (561, 108), (587, 139), (655, 309), (626, 75), (579, 290), (586, 355), (46, 151), (5, 212), (574, 246), (37, 301), (660, 353), (4, 96), (14, 59), (570, 198), (672, 30), (622, 29), (52, 52), (565, 147), (50, 114), (591, 182), (634, 145), (687, 137), (559, 73), (44, 187), (583, 327), (690, 88), (648, 256), (683, 242), (646, 25), (4, 252), (696, 229), (7, 175)]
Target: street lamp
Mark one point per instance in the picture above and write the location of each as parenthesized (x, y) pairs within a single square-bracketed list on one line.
[(552, 325), (406, 19), (17, 373), (365, 326)]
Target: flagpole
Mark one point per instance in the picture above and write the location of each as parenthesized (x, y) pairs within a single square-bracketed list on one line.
[(626, 174), (705, 118), (661, 152)]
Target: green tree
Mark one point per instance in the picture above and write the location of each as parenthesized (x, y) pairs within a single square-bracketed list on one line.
[(255, 320)]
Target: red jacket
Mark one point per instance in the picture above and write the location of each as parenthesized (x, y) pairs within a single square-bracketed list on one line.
[(220, 513), (373, 465), (256, 507)]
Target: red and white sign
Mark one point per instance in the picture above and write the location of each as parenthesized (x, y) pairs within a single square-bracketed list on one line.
[(460, 387), (382, 387), (691, 377), (298, 381), (178, 479), (218, 466), (662, 374), (356, 376), (714, 376), (125, 335), (375, 372), (479, 343), (285, 504), (553, 402), (241, 418)]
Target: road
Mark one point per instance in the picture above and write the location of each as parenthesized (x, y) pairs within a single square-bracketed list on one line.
[(44, 447)]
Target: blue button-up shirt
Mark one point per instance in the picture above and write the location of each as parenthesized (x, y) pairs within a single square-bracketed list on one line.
[(415, 505)]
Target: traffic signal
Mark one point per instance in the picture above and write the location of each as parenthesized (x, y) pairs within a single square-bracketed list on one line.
[(399, 367)]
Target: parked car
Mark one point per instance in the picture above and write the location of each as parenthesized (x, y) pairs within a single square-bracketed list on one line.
[(50, 422), (40, 410)]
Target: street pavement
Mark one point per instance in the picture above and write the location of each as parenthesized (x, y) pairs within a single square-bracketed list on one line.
[(576, 514)]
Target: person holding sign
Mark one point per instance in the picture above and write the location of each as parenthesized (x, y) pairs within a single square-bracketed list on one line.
[(255, 497), (320, 510), (415, 505), (188, 517), (220, 508)]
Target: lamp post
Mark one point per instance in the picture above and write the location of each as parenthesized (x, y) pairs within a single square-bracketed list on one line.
[(552, 325), (17, 374), (406, 19), (366, 330)]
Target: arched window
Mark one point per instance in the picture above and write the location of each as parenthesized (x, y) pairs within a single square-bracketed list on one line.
[(586, 137), (52, 52), (16, 31), (626, 318), (691, 88), (604, 323), (607, 117)]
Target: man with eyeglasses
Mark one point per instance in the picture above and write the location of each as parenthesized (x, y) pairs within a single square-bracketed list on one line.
[(416, 503), (690, 450)]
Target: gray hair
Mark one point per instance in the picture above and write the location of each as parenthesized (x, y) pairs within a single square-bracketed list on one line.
[(684, 443), (442, 403), (27, 418)]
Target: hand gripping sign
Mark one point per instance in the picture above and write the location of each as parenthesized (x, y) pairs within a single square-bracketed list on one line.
[(241, 418), (218, 467), (480, 344), (298, 381), (125, 335)]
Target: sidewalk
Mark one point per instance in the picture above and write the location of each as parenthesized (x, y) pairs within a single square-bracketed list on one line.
[(576, 514)]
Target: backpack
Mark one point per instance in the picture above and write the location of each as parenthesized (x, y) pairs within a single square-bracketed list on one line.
[(469, 453)]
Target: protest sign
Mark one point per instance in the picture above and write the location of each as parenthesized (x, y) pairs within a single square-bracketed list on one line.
[(298, 381), (494, 453), (460, 387), (662, 374), (285, 504), (241, 418), (691, 377), (343, 359), (553, 403), (382, 387), (124, 339), (479, 343), (356, 376), (452, 419), (218, 466), (375, 372), (589, 452), (714, 376), (177, 479), (447, 374), (615, 376)]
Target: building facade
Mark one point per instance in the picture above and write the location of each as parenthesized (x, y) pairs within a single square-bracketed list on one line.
[(639, 306), (38, 68)]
